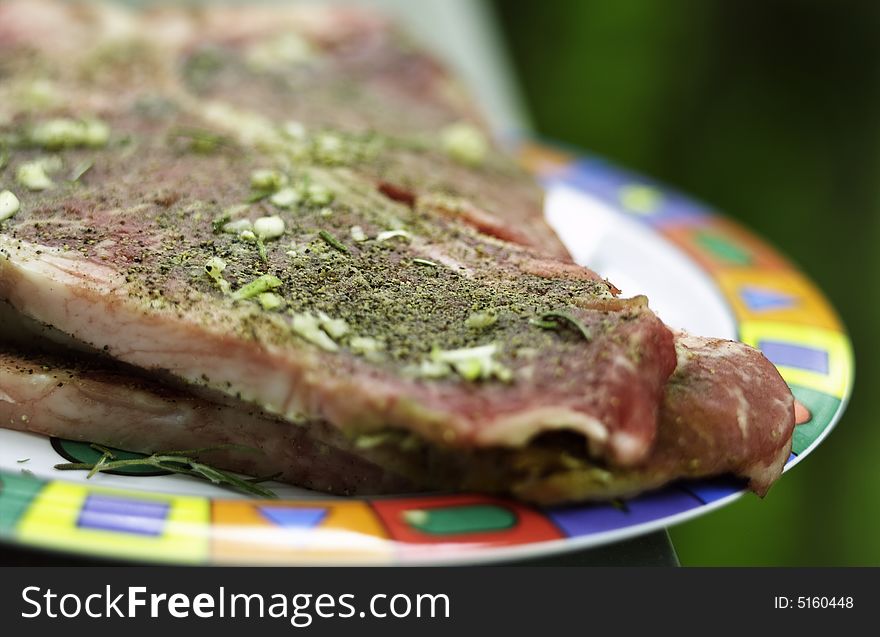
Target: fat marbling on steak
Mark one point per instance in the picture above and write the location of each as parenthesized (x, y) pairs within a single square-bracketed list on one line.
[(271, 261)]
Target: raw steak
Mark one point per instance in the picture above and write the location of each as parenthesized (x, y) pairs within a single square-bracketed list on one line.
[(94, 400), (741, 425), (337, 301)]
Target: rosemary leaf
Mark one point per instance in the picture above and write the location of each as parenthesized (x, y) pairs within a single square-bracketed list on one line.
[(333, 242), (571, 320), (104, 450), (79, 170), (544, 325), (97, 466)]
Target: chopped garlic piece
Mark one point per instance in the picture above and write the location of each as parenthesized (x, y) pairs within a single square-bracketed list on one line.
[(330, 149), (269, 227), (318, 194), (214, 267), (9, 204), (294, 130), (279, 53), (238, 226), (266, 179), (336, 328), (286, 198), (358, 234), (431, 369), (471, 363), (481, 320), (61, 132), (95, 133), (249, 128), (390, 234), (32, 175), (364, 345), (308, 326), (465, 143), (271, 301)]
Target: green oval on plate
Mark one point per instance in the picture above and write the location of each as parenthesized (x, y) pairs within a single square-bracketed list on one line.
[(474, 518)]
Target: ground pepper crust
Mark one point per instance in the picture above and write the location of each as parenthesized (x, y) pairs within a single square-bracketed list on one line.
[(141, 221)]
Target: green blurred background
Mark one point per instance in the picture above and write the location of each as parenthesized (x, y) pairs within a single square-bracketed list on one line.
[(770, 111)]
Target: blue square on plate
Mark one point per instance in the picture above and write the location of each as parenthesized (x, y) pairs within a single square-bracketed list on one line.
[(123, 515)]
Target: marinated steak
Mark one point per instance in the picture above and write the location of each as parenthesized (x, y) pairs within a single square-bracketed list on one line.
[(234, 253), (94, 401), (726, 410), (298, 215)]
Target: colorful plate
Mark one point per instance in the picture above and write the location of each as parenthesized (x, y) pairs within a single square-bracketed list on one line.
[(701, 271)]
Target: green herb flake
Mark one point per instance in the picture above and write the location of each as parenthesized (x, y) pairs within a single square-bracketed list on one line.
[(259, 285), (544, 325), (219, 222), (550, 320), (201, 141), (79, 170), (481, 320), (333, 242)]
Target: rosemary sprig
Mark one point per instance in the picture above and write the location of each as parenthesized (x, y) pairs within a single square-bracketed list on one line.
[(550, 321), (179, 462)]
